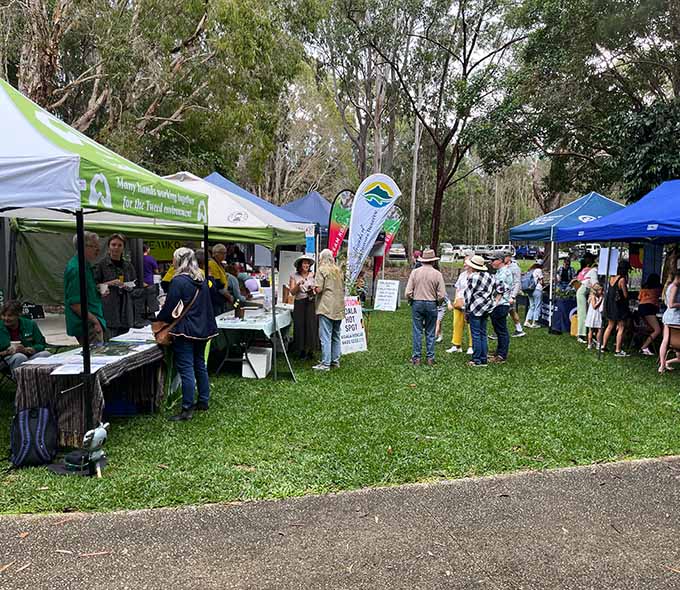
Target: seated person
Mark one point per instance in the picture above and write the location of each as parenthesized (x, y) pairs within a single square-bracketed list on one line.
[(234, 287), (252, 284), (20, 338)]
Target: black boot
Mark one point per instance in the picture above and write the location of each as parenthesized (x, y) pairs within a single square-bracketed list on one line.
[(182, 416)]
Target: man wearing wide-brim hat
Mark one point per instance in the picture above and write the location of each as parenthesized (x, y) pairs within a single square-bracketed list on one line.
[(479, 302), (424, 290)]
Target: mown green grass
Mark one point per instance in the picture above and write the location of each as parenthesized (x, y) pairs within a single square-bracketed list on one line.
[(377, 421)]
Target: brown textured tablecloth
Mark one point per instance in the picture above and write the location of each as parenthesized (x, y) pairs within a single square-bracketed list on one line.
[(138, 378)]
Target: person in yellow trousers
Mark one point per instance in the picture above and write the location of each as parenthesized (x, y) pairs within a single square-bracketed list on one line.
[(458, 307)]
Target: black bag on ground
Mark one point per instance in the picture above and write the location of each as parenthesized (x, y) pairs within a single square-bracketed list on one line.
[(33, 437)]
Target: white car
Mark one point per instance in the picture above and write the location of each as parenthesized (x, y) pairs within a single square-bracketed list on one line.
[(397, 252)]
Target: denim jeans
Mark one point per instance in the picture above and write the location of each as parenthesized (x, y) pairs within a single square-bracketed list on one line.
[(424, 314), (480, 346), (190, 363), (18, 358), (329, 334), (499, 320), (535, 303)]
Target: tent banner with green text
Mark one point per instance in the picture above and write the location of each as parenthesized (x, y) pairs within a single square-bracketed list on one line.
[(48, 164)]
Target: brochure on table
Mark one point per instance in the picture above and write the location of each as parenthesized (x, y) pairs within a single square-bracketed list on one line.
[(70, 362)]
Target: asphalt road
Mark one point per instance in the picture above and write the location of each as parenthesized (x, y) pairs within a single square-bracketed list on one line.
[(607, 526)]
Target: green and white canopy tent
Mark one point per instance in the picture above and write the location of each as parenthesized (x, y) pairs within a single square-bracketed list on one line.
[(51, 172)]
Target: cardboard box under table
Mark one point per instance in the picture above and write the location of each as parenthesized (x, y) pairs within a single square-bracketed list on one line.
[(244, 333), (139, 375)]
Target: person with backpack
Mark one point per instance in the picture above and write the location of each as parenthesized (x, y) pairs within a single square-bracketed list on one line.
[(532, 285), (511, 263)]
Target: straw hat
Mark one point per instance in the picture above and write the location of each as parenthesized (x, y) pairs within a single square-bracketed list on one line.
[(477, 262), (429, 255), (308, 257)]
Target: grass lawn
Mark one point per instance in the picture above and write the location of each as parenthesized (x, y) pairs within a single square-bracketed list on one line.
[(377, 421)]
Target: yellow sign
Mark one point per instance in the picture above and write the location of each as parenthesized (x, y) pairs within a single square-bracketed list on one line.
[(162, 250)]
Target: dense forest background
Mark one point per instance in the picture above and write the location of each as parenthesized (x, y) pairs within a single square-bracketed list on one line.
[(498, 109)]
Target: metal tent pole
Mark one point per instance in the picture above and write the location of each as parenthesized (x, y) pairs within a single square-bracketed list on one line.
[(205, 250), (273, 288), (84, 313), (552, 264), (604, 299), (80, 231)]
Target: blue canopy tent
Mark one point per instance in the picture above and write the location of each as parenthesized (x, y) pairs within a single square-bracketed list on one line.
[(312, 206), (584, 210), (655, 217), (218, 180), (587, 209)]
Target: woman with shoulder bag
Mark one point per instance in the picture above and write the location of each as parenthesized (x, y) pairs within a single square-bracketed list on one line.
[(188, 310), (458, 308)]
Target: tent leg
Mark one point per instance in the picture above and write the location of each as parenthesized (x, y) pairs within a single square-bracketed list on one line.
[(273, 288), (550, 298), (205, 250), (84, 312), (606, 288)]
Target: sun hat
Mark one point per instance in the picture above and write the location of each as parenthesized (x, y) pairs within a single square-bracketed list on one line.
[(477, 262), (429, 255), (308, 257)]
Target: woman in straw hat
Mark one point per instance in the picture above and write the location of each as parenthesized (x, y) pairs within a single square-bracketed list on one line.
[(305, 326)]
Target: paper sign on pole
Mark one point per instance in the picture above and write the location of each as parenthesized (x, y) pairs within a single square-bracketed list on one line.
[(387, 295), (352, 333), (286, 269), (613, 261)]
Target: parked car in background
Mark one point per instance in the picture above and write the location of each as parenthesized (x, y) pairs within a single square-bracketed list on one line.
[(483, 250), (578, 250), (397, 252), (446, 252), (460, 251), (526, 251), (506, 248)]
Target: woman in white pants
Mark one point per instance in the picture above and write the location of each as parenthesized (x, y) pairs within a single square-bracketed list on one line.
[(535, 298)]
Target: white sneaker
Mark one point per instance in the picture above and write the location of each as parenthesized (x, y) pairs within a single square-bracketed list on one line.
[(454, 349), (470, 351), (647, 352), (321, 367), (439, 339)]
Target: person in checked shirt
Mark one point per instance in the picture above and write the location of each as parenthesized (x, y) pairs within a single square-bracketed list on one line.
[(480, 298), (425, 288)]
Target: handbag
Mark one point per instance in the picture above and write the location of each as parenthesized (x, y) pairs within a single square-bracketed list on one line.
[(161, 329)]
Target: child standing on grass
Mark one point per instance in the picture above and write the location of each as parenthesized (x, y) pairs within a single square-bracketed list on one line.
[(594, 316)]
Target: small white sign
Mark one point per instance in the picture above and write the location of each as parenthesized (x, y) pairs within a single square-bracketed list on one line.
[(352, 333), (387, 295), (613, 261)]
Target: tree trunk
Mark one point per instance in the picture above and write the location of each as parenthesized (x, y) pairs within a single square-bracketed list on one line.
[(440, 189)]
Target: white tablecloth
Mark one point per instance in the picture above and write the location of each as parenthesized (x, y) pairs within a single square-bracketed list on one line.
[(262, 323)]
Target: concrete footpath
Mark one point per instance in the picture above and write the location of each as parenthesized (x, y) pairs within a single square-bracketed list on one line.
[(607, 526)]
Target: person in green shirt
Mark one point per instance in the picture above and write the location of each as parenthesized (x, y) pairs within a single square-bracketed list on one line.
[(95, 311), (20, 338)]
